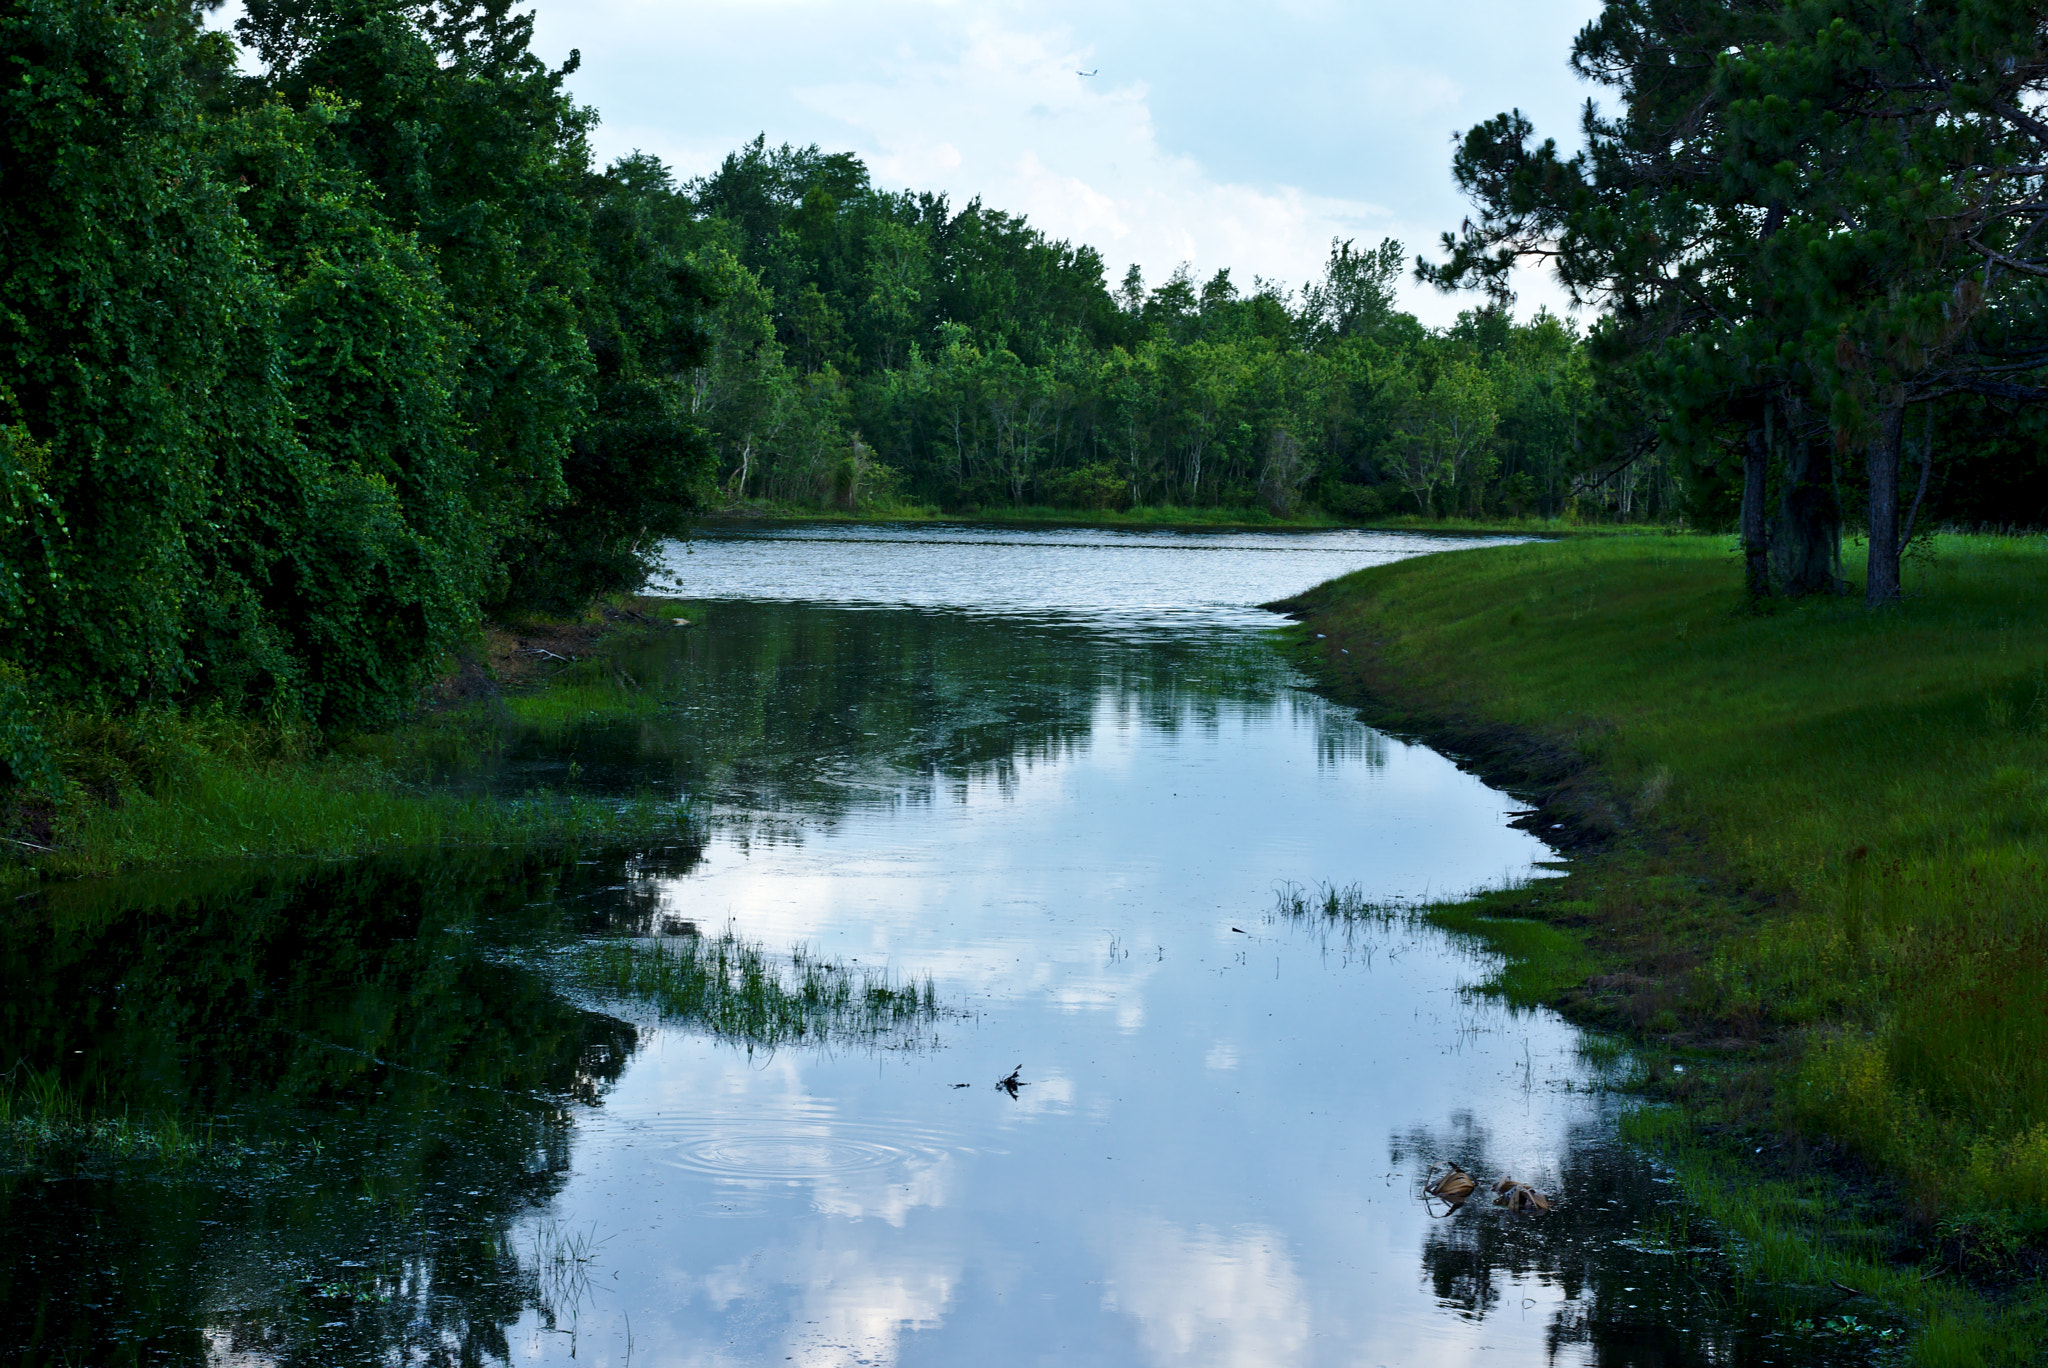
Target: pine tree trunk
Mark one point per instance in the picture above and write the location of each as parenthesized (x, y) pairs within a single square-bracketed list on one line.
[(1807, 550), (1881, 582), (1756, 563)]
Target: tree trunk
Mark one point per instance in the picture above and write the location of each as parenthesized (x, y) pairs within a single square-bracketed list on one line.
[(1920, 496), (1881, 582), (1756, 564), (1807, 550)]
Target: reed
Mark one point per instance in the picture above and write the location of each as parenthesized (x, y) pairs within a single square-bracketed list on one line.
[(735, 990), (43, 1127), (162, 790)]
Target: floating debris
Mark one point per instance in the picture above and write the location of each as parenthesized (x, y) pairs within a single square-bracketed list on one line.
[(1519, 1196), (1453, 1187)]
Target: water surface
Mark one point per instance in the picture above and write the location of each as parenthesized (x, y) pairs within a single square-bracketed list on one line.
[(1061, 775)]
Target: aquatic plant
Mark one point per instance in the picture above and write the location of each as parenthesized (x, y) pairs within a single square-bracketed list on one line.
[(43, 1127), (1330, 903), (735, 990), (559, 1269)]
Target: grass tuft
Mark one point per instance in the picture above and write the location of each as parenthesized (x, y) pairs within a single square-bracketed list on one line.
[(43, 1128), (158, 789), (736, 991)]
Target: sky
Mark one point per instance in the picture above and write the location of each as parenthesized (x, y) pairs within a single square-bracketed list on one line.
[(1219, 134)]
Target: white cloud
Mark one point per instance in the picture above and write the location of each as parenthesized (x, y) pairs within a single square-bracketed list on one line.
[(1225, 134), (1006, 116), (891, 1194)]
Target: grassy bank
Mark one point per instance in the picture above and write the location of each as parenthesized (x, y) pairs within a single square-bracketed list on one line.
[(1810, 859), (161, 788)]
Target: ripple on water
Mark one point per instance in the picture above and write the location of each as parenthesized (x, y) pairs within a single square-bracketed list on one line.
[(796, 1150)]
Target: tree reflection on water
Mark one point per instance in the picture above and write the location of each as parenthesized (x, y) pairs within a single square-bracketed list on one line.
[(1643, 1282), (380, 1084)]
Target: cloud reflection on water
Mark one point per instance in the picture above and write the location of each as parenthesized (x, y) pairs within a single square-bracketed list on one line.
[(1208, 1299)]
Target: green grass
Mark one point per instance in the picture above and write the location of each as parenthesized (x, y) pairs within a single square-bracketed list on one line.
[(1786, 1229), (587, 691), (1821, 831), (733, 989), (1504, 525), (43, 1128), (1537, 958), (326, 810), (158, 790)]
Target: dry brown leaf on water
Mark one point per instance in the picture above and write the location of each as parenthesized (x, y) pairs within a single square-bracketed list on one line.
[(1519, 1196), (1454, 1187)]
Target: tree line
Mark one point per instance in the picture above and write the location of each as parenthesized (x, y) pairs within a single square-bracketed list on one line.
[(872, 346), (1814, 233), (307, 371)]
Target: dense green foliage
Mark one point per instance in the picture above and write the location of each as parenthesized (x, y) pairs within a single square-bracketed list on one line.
[(306, 372), (875, 345), (1804, 221), (302, 373)]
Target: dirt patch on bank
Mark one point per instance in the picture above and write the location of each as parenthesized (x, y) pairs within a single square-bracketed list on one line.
[(527, 652)]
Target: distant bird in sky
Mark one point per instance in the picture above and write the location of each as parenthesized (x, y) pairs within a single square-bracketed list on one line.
[(1087, 73)]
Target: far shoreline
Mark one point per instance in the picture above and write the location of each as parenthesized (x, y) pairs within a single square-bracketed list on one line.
[(1168, 518)]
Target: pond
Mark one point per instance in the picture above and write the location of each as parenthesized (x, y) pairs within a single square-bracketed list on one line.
[(1029, 985)]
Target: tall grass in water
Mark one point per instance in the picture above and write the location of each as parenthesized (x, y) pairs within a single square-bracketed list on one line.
[(1330, 903), (1534, 959), (43, 1126), (733, 989), (163, 789)]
